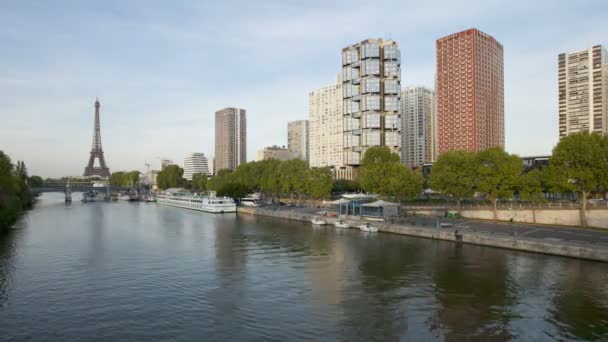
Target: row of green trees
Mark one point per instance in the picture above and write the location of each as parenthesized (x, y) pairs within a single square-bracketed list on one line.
[(15, 192), (274, 178), (578, 164), (121, 178)]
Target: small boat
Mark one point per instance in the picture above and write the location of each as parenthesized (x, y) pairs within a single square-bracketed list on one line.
[(128, 196), (317, 221), (149, 198), (90, 196), (367, 227), (341, 224)]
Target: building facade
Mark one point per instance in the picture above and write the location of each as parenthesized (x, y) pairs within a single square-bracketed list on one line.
[(276, 152), (164, 163), (230, 138), (325, 128), (470, 92), (371, 73), (297, 138), (195, 163), (417, 130), (583, 91)]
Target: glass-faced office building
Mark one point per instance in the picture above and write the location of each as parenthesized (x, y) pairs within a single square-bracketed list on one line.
[(371, 72)]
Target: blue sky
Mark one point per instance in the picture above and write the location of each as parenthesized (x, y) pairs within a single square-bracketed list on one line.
[(162, 68)]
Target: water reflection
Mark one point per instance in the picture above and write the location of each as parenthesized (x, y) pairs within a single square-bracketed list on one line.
[(122, 272), (473, 294)]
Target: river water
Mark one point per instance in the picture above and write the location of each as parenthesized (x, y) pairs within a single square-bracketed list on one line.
[(141, 272)]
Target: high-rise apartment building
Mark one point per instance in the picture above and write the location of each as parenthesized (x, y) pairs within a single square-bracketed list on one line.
[(417, 130), (371, 72), (583, 91), (195, 163), (230, 138), (470, 92), (297, 138), (326, 135)]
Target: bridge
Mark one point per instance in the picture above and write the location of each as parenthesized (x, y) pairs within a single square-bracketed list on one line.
[(77, 187)]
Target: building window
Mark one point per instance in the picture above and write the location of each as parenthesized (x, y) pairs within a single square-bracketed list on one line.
[(391, 69), (371, 85), (391, 87), (371, 50), (371, 102), (372, 67), (372, 120), (391, 103)]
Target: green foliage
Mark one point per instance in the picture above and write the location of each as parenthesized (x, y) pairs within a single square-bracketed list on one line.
[(35, 181), (375, 169), (453, 174), (319, 182), (171, 177), (382, 173), (532, 186), (345, 185), (293, 176), (120, 178), (15, 193), (497, 173), (580, 162), (199, 182)]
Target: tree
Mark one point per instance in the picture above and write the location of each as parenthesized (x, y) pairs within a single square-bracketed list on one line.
[(35, 181), (580, 163), (292, 176), (170, 177), (402, 182), (116, 178), (319, 182), (497, 174), (199, 182), (453, 174), (375, 171), (345, 185)]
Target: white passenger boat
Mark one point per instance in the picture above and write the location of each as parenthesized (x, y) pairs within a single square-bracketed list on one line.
[(210, 204), (341, 224), (367, 227), (128, 196), (317, 221)]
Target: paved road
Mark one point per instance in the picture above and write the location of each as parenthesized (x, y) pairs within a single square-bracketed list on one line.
[(545, 232)]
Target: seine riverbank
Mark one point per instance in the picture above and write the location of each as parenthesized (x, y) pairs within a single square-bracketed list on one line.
[(521, 242)]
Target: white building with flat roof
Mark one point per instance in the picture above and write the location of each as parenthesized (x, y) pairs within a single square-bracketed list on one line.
[(325, 126), (195, 163)]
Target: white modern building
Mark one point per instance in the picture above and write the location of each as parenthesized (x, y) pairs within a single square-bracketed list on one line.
[(371, 84), (297, 138), (195, 163), (583, 91), (418, 126), (276, 152), (325, 134)]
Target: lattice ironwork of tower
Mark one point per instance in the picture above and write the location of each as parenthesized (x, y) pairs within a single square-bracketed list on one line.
[(96, 152)]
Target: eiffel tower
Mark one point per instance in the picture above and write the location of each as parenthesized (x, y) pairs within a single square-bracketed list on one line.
[(96, 152)]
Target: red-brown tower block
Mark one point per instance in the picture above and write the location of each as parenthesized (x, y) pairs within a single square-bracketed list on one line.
[(470, 92)]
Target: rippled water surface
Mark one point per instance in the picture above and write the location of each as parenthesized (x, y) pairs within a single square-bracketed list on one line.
[(143, 272)]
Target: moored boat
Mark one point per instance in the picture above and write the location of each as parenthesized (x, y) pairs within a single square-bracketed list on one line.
[(367, 227), (318, 221), (209, 204), (90, 196), (341, 224)]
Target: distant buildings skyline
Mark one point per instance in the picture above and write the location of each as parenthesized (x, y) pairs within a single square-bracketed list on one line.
[(194, 163), (230, 138), (297, 138), (371, 82), (326, 132), (583, 91), (417, 118), (276, 152), (470, 92)]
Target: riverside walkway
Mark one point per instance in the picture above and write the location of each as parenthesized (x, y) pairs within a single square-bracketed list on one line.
[(575, 242)]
